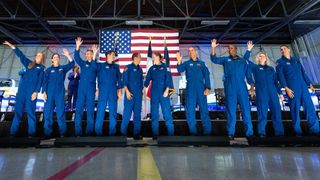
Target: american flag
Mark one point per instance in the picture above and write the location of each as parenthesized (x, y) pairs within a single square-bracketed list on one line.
[(137, 40)]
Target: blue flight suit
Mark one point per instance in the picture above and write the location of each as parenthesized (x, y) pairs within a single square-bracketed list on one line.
[(292, 75), (30, 82), (86, 94), (161, 78), (235, 87), (109, 81), (53, 86), (73, 90), (267, 90), (133, 80), (197, 75)]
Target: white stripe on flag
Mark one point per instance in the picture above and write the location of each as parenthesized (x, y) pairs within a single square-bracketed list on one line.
[(146, 34)]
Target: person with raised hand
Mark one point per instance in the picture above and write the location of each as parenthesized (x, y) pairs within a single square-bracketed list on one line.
[(236, 71), (54, 91), (198, 88), (87, 88), (268, 92), (28, 90)]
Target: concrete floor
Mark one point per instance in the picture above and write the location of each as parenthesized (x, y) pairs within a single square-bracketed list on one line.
[(154, 162)]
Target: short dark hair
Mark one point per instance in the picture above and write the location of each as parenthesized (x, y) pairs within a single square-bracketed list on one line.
[(285, 45), (54, 55), (158, 54), (134, 55), (90, 50), (109, 52), (235, 46)]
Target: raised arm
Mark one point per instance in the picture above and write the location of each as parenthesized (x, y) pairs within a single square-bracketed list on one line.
[(250, 46), (77, 57), (23, 59), (70, 65), (180, 66), (213, 56), (247, 54), (95, 50)]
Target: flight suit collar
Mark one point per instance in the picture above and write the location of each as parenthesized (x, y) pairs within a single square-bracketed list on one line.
[(286, 59), (56, 67), (136, 66), (195, 60), (158, 65), (237, 57), (264, 66), (87, 62), (110, 65), (38, 65)]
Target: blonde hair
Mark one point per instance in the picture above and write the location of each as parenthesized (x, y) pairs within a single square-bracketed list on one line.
[(264, 53)]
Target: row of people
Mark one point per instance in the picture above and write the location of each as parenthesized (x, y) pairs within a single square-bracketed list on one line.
[(264, 81), (289, 75), (110, 83)]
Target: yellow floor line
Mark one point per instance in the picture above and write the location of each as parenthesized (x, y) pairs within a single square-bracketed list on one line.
[(147, 168)]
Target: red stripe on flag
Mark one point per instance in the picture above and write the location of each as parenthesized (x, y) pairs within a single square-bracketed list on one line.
[(141, 35), (153, 38), (175, 74), (154, 31)]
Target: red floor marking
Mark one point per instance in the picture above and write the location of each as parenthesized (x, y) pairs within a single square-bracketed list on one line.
[(74, 166)]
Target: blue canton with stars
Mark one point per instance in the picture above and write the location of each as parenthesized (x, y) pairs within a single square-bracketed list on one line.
[(107, 38)]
